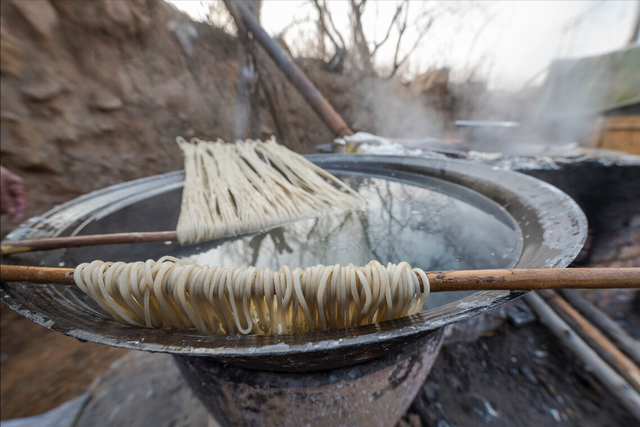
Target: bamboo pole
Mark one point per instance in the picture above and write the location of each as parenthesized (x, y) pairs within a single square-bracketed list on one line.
[(439, 281), (19, 246), (21, 273), (605, 348), (308, 91), (533, 279), (619, 336), (626, 394)]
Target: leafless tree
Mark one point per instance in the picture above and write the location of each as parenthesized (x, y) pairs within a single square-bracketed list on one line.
[(218, 16), (363, 50), (402, 25), (328, 28)]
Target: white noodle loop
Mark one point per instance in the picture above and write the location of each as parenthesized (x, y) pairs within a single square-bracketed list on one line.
[(176, 295)]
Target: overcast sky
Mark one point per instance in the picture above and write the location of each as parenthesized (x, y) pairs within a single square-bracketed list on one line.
[(512, 40)]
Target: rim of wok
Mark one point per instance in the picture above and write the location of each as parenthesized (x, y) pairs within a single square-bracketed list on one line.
[(553, 230)]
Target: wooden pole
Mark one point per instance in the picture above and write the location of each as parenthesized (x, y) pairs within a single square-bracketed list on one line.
[(627, 396), (439, 281), (619, 336), (21, 273), (533, 279), (18, 246), (605, 348), (308, 91)]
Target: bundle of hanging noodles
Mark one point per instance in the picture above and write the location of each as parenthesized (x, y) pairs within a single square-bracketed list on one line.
[(174, 294), (247, 186), (252, 185)]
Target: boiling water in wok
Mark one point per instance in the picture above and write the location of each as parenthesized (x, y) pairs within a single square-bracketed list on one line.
[(436, 225)]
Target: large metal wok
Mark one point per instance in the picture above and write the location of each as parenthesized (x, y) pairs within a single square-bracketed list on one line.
[(435, 214)]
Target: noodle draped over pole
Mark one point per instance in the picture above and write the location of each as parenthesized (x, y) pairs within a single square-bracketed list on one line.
[(176, 295), (252, 185)]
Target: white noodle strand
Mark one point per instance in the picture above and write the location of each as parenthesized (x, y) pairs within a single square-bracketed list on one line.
[(175, 295), (252, 185)]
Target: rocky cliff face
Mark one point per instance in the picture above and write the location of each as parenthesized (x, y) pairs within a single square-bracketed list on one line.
[(94, 93)]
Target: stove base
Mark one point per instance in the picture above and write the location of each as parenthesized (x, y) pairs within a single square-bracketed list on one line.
[(374, 393)]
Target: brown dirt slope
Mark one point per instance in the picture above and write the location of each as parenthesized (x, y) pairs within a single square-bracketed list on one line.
[(94, 93)]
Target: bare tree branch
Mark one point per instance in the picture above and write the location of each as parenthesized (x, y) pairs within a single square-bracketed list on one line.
[(393, 21), (397, 64), (323, 24), (359, 37), (401, 29), (333, 26), (361, 5), (323, 13), (363, 52), (292, 24)]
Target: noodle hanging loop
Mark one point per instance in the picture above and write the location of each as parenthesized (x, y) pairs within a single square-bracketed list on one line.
[(173, 294)]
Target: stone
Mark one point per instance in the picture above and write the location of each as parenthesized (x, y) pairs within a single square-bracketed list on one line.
[(266, 129), (12, 106), (469, 330), (184, 32), (10, 51), (43, 91), (40, 14), (414, 420), (105, 101), (540, 354), (480, 406), (456, 384), (431, 390), (120, 12), (519, 313), (30, 148), (63, 131), (131, 15), (630, 251), (9, 116), (528, 373), (105, 124), (170, 91)]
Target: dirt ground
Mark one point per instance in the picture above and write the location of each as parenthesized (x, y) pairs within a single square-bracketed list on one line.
[(509, 377), (515, 377), (41, 369)]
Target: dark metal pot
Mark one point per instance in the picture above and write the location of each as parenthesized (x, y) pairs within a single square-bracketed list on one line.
[(544, 228), (436, 214)]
